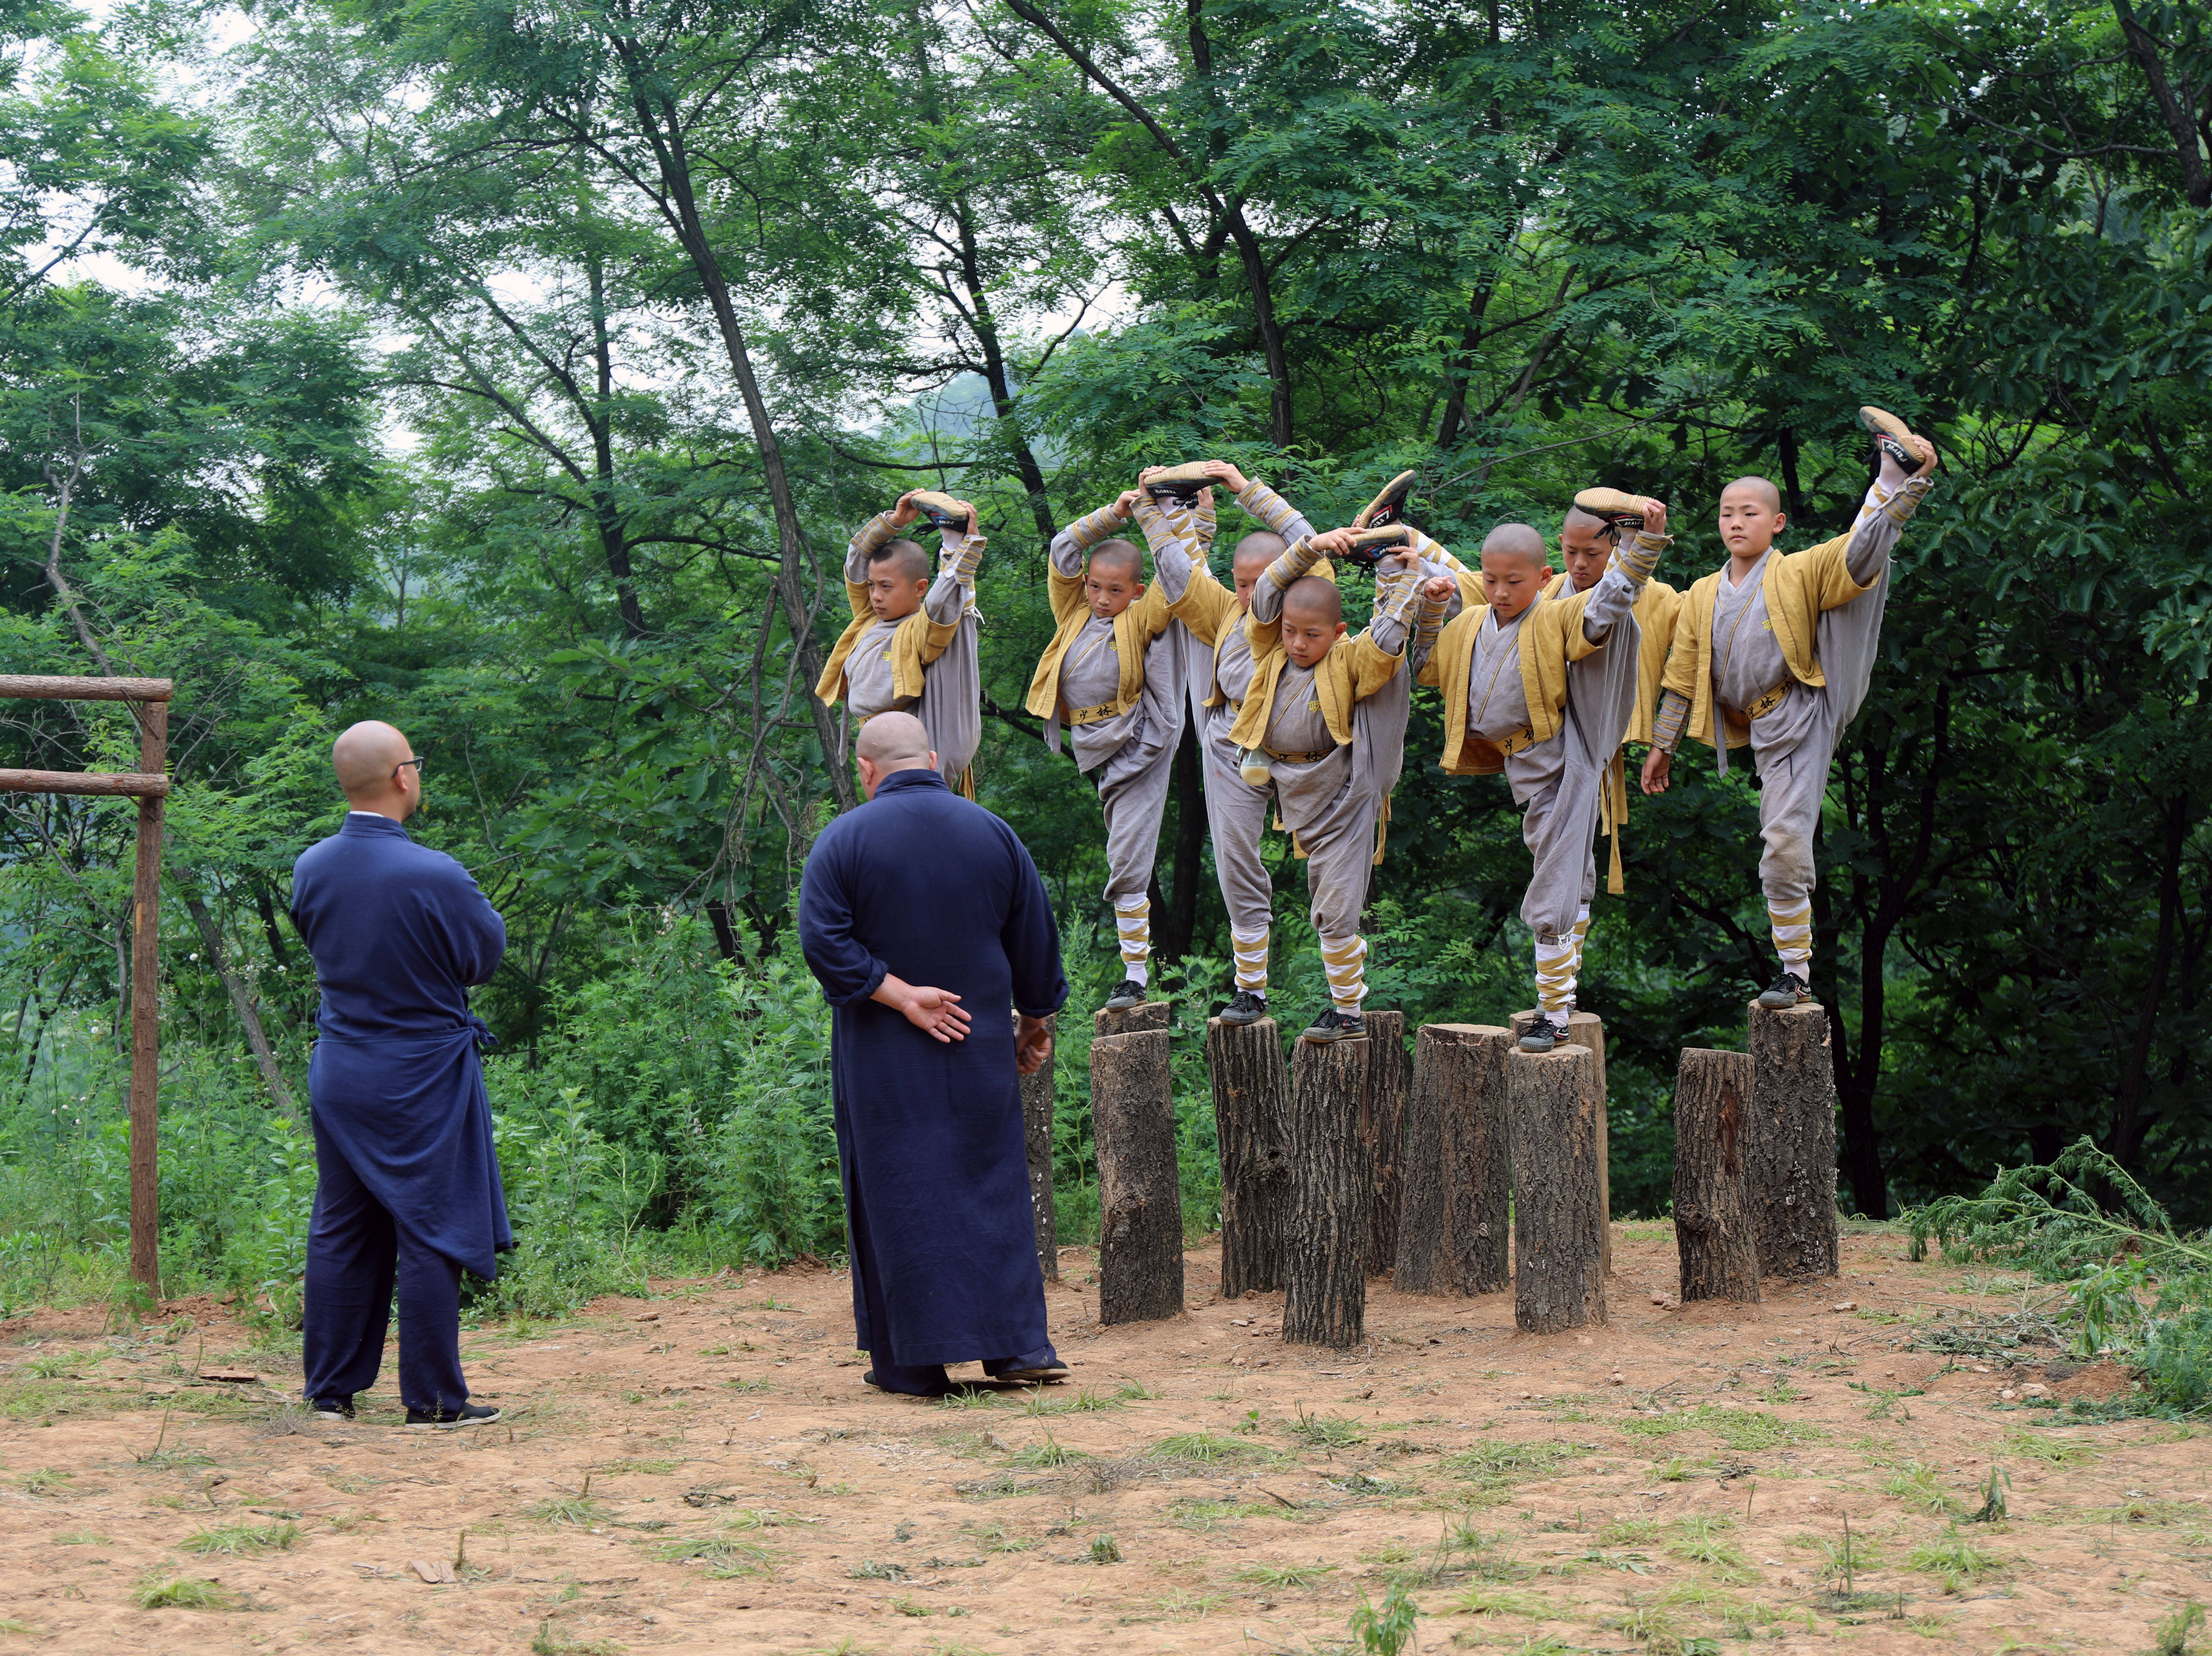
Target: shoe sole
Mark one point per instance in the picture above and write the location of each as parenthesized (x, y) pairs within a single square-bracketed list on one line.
[(1548, 1046), (1122, 1005), (1332, 1039), (1034, 1376), (491, 1419), (1241, 1023), (1778, 1005)]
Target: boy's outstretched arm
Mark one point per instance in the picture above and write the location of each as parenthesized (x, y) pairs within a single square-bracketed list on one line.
[(1617, 591), (1296, 562), (958, 554)]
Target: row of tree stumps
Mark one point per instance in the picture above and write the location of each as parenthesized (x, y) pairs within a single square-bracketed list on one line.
[(1474, 1169)]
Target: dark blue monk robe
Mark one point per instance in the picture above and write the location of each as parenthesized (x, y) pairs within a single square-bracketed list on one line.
[(407, 1179), (924, 885)]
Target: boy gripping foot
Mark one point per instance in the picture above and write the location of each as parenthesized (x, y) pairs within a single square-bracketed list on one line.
[(1776, 652), (1112, 676), (910, 646), (1529, 691), (1323, 725), (1221, 671)]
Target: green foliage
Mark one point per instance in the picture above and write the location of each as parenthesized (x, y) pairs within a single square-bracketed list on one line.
[(1382, 1630)]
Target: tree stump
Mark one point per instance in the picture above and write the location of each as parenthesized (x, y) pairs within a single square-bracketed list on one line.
[(1326, 1222), (1791, 1168), (1037, 1092), (1453, 1229), (1588, 1029), (1384, 1130), (1713, 1229), (1139, 1190), (1551, 1102), (1251, 1111), (1145, 1014)]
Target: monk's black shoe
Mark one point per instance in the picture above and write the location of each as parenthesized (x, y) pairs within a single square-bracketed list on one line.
[(1333, 1025), (1246, 1008), (1786, 991), (469, 1414), (1051, 1375), (341, 1407), (1131, 994), (1545, 1034)]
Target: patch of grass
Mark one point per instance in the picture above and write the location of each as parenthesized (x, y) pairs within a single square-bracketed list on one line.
[(1956, 1559), (1739, 1428), (1653, 1626), (1498, 1601), (1104, 1550), (2175, 1636), (646, 1468), (242, 1540), (2057, 1452), (1630, 1533), (869, 1570), (82, 1538), (1914, 1484), (1047, 1454), (970, 1397), (1133, 1392), (1325, 1431), (579, 1511), (1182, 1606), (908, 1605), (9, 1624), (1675, 1469), (1208, 1449), (1088, 1401), (1704, 1541), (993, 1538), (1284, 1575), (725, 1556), (181, 1592), (549, 1642), (46, 1480), (1499, 1463)]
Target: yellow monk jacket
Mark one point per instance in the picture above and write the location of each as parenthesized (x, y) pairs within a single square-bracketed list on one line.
[(1208, 609), (1551, 638), (1135, 629), (918, 641), (1797, 588), (1654, 623), (1353, 669)]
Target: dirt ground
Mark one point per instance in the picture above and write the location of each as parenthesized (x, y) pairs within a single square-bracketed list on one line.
[(705, 1471)]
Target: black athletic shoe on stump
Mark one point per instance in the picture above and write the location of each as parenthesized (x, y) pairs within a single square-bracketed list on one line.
[(1131, 994), (1246, 1008), (1786, 991), (469, 1414), (1545, 1034), (1333, 1025), (341, 1407)]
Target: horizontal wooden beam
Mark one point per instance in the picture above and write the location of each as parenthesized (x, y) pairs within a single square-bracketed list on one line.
[(85, 689), (130, 785)]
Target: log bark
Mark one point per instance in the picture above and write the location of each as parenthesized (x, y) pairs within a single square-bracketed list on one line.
[(1331, 1186), (1452, 1232), (1588, 1029), (41, 686), (1713, 1229), (1037, 1092), (125, 784), (1146, 1015), (1139, 1192), (1389, 1074), (1251, 1116), (1551, 1100), (1792, 1163)]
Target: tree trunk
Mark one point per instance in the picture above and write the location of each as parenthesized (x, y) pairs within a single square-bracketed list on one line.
[(241, 1002), (1251, 1108), (1588, 1029), (1037, 1093), (1139, 1190), (1551, 1104), (1383, 1130), (1457, 1183), (1326, 1225), (1713, 1232), (1791, 1168)]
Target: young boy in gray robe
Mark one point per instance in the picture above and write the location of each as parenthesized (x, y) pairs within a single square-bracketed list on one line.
[(1113, 675), (1777, 651), (911, 644)]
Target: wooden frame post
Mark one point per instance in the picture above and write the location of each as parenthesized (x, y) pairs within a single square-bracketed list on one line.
[(149, 786)]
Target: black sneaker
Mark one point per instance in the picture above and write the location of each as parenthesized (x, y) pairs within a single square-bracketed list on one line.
[(1786, 991), (1333, 1025), (469, 1414), (1131, 994), (1246, 1008), (1545, 1034), (341, 1407)]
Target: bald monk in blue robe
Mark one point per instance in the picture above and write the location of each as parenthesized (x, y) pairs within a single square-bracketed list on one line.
[(924, 922), (407, 1190)]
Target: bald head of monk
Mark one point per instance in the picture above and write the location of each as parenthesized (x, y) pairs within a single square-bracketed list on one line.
[(378, 770), (888, 743), (1515, 570), (1751, 516)]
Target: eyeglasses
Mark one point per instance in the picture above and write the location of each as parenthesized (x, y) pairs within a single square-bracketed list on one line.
[(417, 762)]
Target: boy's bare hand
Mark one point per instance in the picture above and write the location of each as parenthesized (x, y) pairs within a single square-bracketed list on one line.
[(1438, 588), (1654, 516), (1231, 479), (1125, 507), (905, 512), (1925, 449), (1332, 543), (1656, 764)]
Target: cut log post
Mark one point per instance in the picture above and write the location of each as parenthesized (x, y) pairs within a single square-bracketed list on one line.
[(1145, 1014), (1551, 1100), (1139, 1192), (1326, 1222), (1452, 1231), (1037, 1095), (1384, 1129), (1588, 1029), (1251, 1116), (1792, 1163), (1713, 1229)]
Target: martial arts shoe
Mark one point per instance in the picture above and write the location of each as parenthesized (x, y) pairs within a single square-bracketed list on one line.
[(1620, 509), (1546, 1033), (1246, 1008), (1183, 482), (1389, 506), (1131, 994), (942, 510), (1787, 990), (469, 1414), (341, 1407), (1893, 437), (1333, 1025)]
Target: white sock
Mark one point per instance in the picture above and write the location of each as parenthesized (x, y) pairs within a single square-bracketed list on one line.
[(1793, 939), (1133, 920), (1250, 949), (1345, 961), (1555, 976)]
